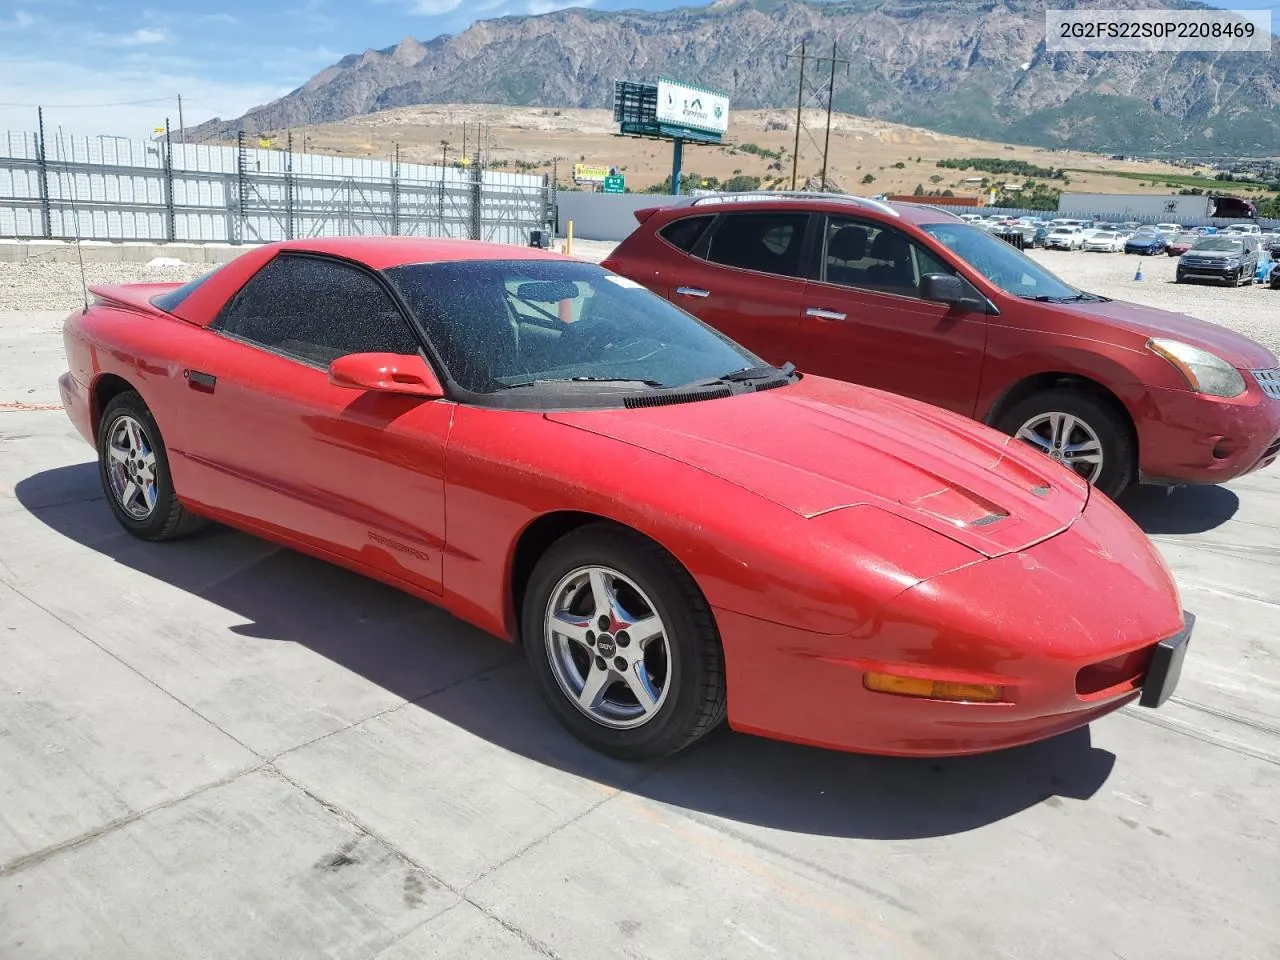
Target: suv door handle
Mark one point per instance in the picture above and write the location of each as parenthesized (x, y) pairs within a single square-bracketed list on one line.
[(692, 292), (822, 314)]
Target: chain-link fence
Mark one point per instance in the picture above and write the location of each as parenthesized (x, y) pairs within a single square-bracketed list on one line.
[(114, 188)]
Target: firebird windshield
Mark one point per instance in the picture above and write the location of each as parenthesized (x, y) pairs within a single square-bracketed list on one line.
[(542, 325)]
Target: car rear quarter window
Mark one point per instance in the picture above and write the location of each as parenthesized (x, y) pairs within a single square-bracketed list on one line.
[(766, 242), (684, 234), (315, 309)]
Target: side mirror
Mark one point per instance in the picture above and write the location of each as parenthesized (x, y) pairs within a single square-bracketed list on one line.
[(406, 374), (945, 288)]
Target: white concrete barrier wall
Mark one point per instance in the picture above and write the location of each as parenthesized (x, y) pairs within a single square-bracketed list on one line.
[(604, 216)]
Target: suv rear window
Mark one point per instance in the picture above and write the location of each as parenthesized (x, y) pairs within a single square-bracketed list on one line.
[(685, 232)]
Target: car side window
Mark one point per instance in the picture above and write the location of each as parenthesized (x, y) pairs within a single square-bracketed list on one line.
[(870, 256), (316, 310), (767, 242), (684, 234)]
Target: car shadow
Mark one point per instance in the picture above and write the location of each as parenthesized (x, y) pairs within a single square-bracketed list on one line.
[(394, 641), (1195, 509)]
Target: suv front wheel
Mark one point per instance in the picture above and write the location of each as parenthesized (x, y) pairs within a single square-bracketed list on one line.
[(1078, 431)]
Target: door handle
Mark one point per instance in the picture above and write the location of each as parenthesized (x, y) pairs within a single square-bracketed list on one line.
[(822, 314), (692, 292), (199, 380)]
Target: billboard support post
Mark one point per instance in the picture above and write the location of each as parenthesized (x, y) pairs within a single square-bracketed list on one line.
[(677, 163)]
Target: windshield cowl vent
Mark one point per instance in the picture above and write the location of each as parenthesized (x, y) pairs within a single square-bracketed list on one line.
[(770, 384), (666, 399)]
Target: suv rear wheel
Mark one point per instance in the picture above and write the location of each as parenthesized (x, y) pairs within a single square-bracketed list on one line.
[(1082, 432)]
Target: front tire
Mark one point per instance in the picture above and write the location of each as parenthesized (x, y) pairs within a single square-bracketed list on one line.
[(133, 466), (622, 644), (1078, 430)]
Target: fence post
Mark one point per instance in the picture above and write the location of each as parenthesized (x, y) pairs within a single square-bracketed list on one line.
[(46, 219), (477, 197), (241, 187), (288, 189), (395, 195), (170, 219)]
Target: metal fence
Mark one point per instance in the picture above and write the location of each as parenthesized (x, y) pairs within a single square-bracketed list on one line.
[(113, 188)]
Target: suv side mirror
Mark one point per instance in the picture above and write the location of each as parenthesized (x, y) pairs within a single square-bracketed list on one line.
[(945, 288), (407, 374)]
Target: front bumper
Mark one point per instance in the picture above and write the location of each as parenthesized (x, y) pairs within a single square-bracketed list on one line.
[(1015, 621), (1188, 438), (1221, 273)]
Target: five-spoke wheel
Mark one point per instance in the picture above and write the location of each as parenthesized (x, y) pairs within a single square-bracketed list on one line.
[(134, 469), (622, 643)]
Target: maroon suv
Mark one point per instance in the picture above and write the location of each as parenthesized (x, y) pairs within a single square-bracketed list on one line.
[(913, 300)]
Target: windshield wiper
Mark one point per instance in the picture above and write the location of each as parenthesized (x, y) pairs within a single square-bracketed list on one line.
[(1075, 298), (765, 372), (532, 381)]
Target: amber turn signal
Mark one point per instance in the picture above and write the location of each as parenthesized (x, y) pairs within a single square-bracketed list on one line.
[(932, 689)]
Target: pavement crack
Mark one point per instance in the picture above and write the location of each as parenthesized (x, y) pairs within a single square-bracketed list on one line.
[(28, 860), (1186, 730), (131, 668), (352, 820)]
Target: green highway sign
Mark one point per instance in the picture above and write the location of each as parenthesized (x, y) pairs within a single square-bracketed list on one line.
[(615, 184)]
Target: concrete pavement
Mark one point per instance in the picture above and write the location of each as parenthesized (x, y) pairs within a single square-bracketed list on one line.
[(215, 748)]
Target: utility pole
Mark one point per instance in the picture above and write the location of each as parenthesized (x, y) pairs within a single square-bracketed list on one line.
[(795, 153), (804, 58), (182, 127)]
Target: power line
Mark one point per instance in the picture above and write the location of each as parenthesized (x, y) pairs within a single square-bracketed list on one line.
[(87, 106)]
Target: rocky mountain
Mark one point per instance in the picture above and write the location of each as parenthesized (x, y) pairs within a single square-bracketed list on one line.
[(952, 65)]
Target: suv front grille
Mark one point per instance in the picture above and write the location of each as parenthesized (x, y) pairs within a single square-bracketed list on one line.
[(1269, 381)]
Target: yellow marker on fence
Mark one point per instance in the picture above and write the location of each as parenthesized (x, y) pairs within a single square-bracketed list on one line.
[(568, 247)]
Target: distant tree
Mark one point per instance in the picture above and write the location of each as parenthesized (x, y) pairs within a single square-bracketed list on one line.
[(899, 165), (919, 190), (868, 179)]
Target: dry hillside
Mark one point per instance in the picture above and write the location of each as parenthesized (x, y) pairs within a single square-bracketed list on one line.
[(532, 137)]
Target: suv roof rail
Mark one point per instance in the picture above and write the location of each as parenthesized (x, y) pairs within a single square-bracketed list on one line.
[(808, 195)]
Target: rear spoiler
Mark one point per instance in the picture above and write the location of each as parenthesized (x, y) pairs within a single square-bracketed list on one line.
[(645, 213), (130, 296)]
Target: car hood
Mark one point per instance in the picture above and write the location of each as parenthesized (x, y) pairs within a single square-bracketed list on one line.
[(1148, 322), (822, 445), (1218, 254)]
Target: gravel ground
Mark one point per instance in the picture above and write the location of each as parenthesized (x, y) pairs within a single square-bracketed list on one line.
[(1253, 311)]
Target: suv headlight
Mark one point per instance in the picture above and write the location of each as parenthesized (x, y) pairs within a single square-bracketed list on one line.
[(1203, 371)]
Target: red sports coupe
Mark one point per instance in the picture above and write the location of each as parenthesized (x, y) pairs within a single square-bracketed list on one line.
[(671, 528)]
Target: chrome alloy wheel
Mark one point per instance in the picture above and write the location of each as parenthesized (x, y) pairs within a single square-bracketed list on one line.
[(1066, 439), (131, 467), (607, 647)]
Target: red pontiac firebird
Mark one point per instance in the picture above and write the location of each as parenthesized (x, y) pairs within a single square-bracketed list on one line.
[(672, 529)]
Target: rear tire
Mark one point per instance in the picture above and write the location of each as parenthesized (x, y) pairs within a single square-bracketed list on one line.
[(1095, 419), (681, 666), (133, 466)]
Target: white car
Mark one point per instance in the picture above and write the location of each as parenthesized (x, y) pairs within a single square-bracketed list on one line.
[(1065, 238), (1104, 241), (1170, 230), (1242, 228)]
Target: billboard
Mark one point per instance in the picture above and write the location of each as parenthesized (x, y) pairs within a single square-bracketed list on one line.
[(590, 172), (686, 105)]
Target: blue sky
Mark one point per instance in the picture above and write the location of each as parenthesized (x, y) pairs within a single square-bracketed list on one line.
[(90, 61)]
